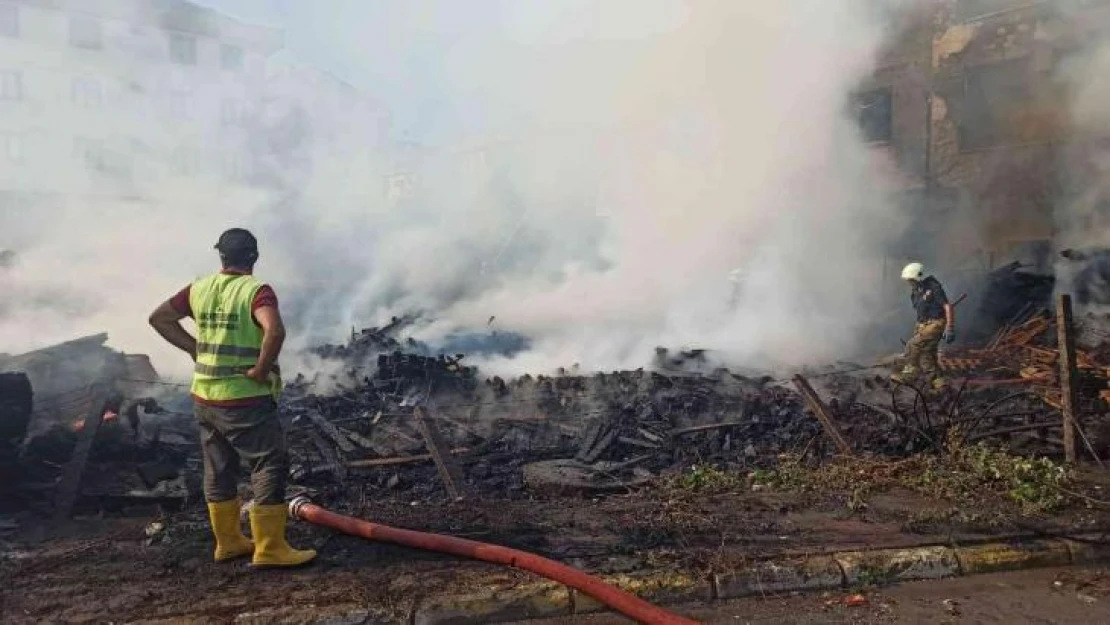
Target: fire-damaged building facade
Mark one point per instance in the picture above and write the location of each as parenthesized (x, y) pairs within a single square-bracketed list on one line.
[(974, 102)]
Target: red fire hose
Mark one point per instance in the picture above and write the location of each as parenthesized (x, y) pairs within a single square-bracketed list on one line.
[(626, 603)]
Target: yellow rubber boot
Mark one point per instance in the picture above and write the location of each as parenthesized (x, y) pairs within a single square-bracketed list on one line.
[(268, 529), (230, 541)]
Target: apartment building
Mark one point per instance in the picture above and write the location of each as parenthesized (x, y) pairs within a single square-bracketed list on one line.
[(972, 104), (116, 98), (1002, 125)]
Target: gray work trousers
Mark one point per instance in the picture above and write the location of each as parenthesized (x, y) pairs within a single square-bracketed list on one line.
[(252, 434)]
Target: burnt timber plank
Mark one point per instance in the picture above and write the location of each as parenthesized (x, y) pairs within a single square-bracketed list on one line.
[(69, 486), (448, 470), (822, 412), (1068, 372), (329, 428)]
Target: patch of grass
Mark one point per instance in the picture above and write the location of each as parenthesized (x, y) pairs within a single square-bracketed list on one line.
[(967, 475), (707, 480)]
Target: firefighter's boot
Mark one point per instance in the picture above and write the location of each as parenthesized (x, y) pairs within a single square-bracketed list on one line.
[(908, 375)]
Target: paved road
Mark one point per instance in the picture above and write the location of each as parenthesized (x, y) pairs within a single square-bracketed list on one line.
[(1062, 596)]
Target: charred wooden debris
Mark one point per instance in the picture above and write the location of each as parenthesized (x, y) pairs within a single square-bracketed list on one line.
[(395, 419), (612, 429)]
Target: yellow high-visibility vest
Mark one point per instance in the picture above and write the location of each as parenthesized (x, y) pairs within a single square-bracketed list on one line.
[(228, 340)]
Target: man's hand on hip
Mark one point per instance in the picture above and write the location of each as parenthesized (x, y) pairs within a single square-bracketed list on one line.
[(256, 374)]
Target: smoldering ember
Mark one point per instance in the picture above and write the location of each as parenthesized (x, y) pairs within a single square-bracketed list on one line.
[(943, 237)]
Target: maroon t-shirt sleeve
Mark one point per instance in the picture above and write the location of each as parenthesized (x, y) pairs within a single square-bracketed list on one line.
[(180, 302), (264, 297)]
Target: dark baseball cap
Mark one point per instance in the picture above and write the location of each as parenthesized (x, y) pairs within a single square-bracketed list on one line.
[(237, 240)]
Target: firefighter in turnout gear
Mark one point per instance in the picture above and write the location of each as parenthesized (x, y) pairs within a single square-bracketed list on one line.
[(235, 390), (936, 321)]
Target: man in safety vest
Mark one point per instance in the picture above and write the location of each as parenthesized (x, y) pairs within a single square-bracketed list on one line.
[(235, 389)]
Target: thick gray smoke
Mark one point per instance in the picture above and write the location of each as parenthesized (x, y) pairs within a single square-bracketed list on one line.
[(1083, 217), (719, 142), (1084, 221), (607, 166)]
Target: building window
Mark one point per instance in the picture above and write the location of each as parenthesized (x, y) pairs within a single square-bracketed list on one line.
[(995, 96), (9, 20), (97, 156), (180, 105), (399, 187), (85, 32), (874, 114), (233, 113), (234, 167), (87, 92), (11, 148), (231, 58), (184, 162), (91, 152), (11, 85), (183, 49)]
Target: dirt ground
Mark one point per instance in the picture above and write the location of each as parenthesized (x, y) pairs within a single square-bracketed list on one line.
[(1065, 596), (98, 570)]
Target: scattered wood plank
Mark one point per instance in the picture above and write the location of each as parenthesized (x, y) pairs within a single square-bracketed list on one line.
[(1068, 372), (329, 428), (448, 471), (357, 438), (70, 484), (395, 460), (705, 428), (637, 443), (822, 413), (330, 457)]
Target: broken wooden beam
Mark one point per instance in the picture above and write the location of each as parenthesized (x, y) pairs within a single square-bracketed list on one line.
[(331, 459), (637, 443), (1068, 372), (448, 471), (394, 460), (357, 438), (69, 486), (329, 428), (822, 413), (705, 428)]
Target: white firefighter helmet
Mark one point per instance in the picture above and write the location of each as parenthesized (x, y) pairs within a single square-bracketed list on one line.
[(913, 271)]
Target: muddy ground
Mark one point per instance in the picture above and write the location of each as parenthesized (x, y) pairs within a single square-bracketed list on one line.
[(109, 570), (1056, 596)]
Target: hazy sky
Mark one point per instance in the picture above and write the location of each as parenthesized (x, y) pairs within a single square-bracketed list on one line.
[(406, 52)]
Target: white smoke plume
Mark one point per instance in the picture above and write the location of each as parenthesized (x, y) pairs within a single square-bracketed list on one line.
[(602, 168), (1084, 221)]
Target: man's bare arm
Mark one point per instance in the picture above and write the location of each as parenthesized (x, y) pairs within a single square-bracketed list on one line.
[(167, 322), (273, 336), (950, 315)]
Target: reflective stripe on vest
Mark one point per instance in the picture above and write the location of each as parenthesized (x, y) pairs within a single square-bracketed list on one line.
[(228, 350), (226, 370), (228, 340)]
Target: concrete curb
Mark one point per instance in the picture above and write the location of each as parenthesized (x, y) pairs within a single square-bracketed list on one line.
[(843, 570)]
